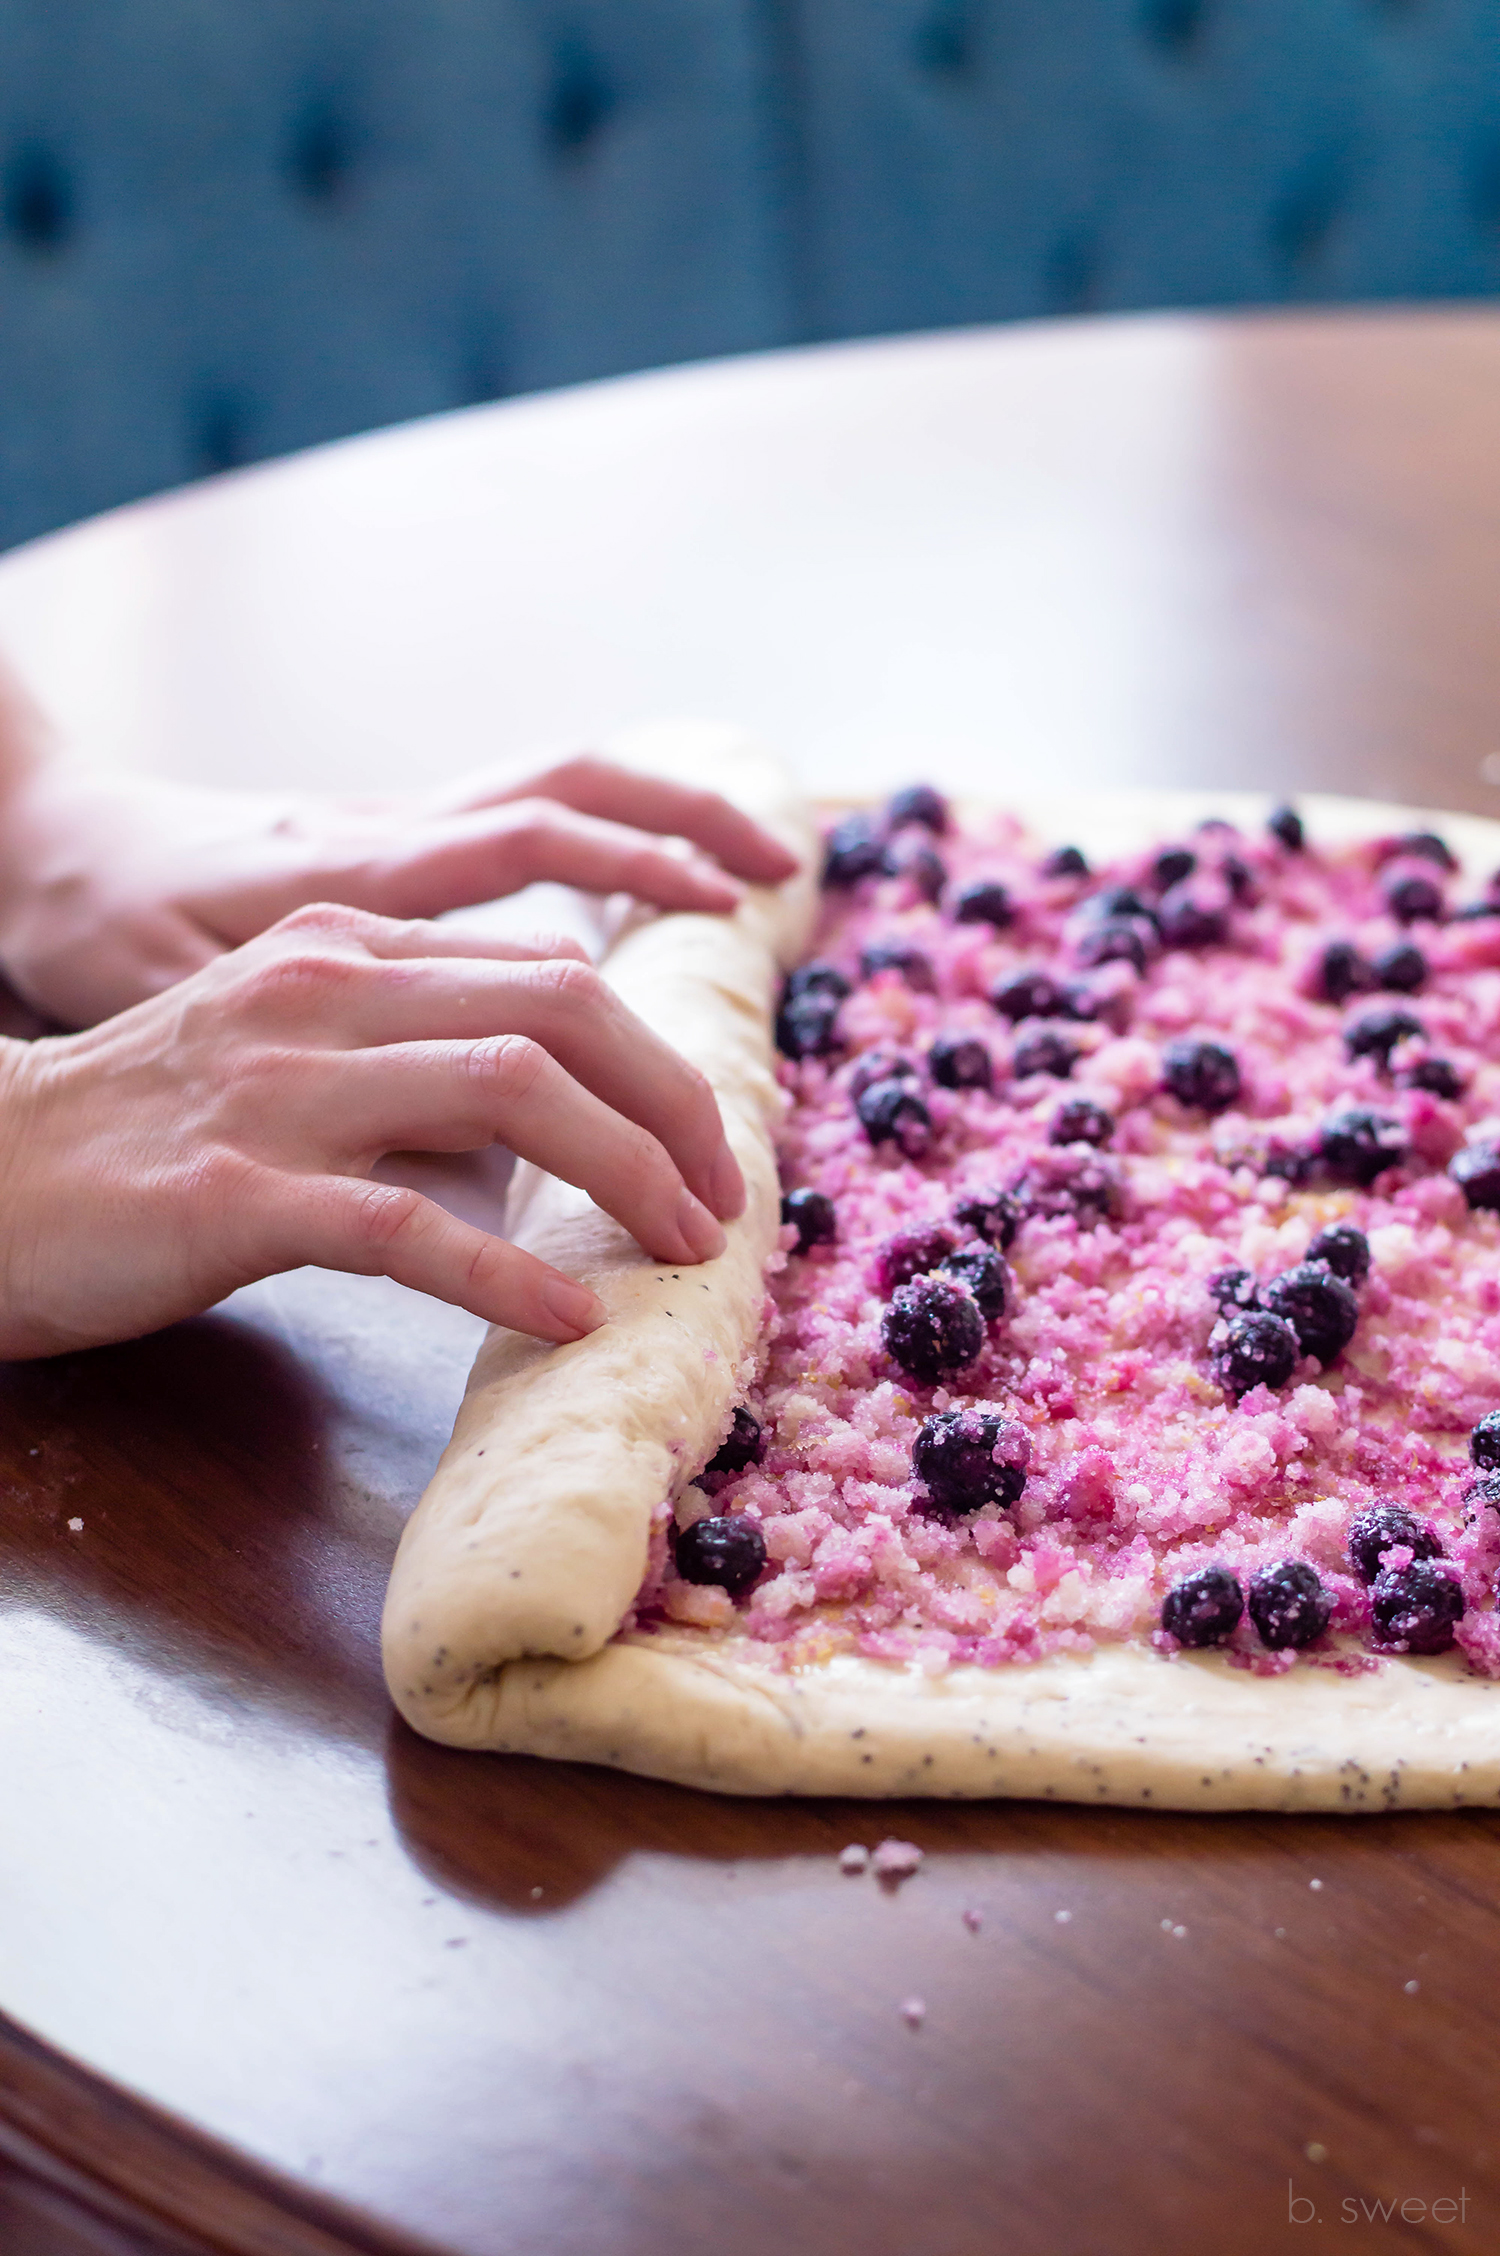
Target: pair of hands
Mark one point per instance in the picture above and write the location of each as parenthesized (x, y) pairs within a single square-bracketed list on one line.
[(222, 1127)]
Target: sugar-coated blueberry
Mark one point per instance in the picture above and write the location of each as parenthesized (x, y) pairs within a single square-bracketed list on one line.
[(1233, 1289), (1288, 1604), (891, 1112), (880, 1064), (1439, 1076), (1029, 994), (728, 1549), (1344, 1249), (1412, 897), (1483, 1494), (1375, 1033), (1416, 1607), (1320, 1306), (1476, 1171), (1069, 1184), (1171, 866), (814, 1215), (960, 1061), (982, 1270), (1401, 968), (968, 1458), (855, 849), (1356, 1144), (1043, 1052), (1378, 1528), (1286, 824), (910, 963), (1117, 940), (1253, 1348), (984, 901), (920, 864), (816, 978), (1484, 1443), (1194, 915), (1237, 876), (992, 1213), (743, 1445), (932, 1329), (1118, 901), (807, 1025), (1066, 861), (1203, 1608), (912, 1253), (1424, 846), (918, 803), (1203, 1075), (1080, 1121), (1342, 972)]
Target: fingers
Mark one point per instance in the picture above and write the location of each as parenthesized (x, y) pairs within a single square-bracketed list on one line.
[(621, 795), (477, 856), (375, 1229), (440, 1096)]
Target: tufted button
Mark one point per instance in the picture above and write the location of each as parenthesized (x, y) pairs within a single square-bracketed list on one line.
[(579, 103), (946, 45), (320, 153), (37, 200), (1175, 25)]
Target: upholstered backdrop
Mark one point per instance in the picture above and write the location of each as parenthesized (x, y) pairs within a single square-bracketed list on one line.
[(233, 227)]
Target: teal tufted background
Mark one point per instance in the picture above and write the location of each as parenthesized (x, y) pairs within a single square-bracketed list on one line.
[(233, 227)]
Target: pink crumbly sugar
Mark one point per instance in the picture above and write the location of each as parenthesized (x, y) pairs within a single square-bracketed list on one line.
[(895, 1860), (1142, 1468)]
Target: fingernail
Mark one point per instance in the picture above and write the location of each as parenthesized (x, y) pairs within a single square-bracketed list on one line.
[(727, 1186), (699, 1228), (573, 1305)]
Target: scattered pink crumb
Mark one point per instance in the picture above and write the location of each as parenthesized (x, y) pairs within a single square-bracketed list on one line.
[(1062, 1917), (856, 1858), (973, 1920), (914, 2011), (896, 1861), (75, 1527)]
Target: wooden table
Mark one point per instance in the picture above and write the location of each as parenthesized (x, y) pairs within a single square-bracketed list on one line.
[(282, 1977)]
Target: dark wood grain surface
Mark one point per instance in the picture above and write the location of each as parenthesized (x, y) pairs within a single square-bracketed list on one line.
[(280, 1978)]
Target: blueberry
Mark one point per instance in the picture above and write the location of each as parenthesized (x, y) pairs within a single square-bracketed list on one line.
[(1378, 1529), (1237, 876), (912, 1253), (1118, 901), (1288, 1604), (1117, 940), (932, 1329), (1203, 1608), (1288, 1162), (1401, 968), (1356, 1144), (960, 1061), (918, 803), (1029, 994), (1375, 1033), (1193, 916), (1476, 1171), (1219, 823), (742, 1445), (1424, 846), (806, 1025), (1484, 1443), (916, 861), (1473, 910), (1417, 1606), (815, 1216), (1203, 1075), (880, 1065), (992, 1213), (729, 1550), (1483, 1492), (968, 1458), (1343, 1249), (913, 965), (1439, 1076), (1342, 972), (982, 1270), (1253, 1348), (816, 978), (891, 1112), (1412, 897), (1233, 1289), (854, 850), (1066, 861), (985, 901), (1320, 1307), (1080, 1122), (1043, 1052), (1171, 866), (1069, 1184), (1286, 824)]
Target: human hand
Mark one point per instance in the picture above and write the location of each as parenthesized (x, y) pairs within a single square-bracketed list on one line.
[(226, 1131), (113, 887)]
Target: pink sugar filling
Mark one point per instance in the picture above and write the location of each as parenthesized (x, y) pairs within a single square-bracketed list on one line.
[(1141, 1468)]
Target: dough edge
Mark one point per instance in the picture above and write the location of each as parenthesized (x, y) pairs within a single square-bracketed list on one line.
[(1121, 1725)]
